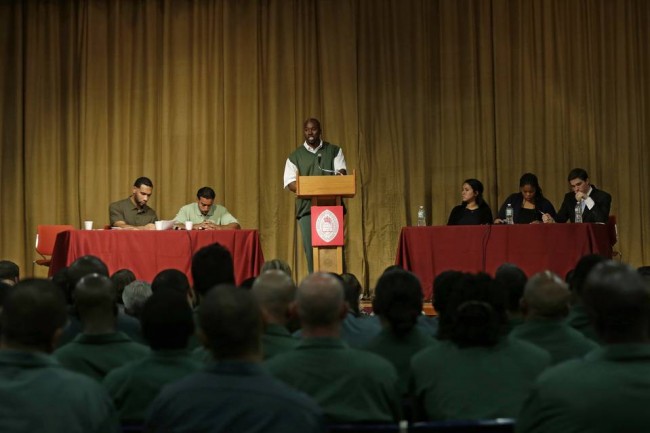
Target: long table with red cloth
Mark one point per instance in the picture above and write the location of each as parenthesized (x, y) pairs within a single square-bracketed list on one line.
[(428, 251), (148, 252)]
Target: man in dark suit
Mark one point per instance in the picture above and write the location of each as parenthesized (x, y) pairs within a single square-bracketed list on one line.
[(595, 202)]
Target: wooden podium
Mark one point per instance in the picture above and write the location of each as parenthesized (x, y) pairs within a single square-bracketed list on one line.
[(327, 191)]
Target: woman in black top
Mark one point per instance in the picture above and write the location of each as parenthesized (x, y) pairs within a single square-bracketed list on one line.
[(473, 210), (529, 205)]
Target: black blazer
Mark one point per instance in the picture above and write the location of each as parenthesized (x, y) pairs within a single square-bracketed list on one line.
[(597, 214)]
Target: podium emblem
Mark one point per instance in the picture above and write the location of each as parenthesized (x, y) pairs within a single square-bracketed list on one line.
[(327, 225)]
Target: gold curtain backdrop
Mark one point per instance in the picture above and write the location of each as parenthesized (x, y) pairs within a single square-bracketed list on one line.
[(421, 94)]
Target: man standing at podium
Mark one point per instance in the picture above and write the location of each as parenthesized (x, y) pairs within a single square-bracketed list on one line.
[(314, 158)]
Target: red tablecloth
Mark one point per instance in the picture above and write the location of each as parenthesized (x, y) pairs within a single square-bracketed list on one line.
[(428, 251), (148, 252)]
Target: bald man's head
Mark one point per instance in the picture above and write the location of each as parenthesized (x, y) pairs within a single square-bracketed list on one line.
[(274, 291), (320, 300), (546, 296)]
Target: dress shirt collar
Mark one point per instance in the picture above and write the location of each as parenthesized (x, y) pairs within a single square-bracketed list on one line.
[(311, 149)]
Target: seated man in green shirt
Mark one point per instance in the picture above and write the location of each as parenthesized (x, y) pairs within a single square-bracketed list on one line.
[(350, 385), (205, 215), (100, 347), (36, 393), (167, 324), (133, 213)]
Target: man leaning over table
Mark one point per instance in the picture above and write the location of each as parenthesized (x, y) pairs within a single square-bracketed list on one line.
[(205, 214), (133, 213)]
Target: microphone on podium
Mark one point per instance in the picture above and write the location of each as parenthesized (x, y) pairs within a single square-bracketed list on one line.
[(319, 156)]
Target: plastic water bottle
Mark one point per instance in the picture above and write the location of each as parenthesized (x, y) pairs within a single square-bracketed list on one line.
[(578, 212), (422, 217), (509, 213)]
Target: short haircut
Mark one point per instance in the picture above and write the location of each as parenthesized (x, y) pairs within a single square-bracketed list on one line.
[(513, 280), (274, 291), (211, 266), (231, 322), (618, 300), (94, 294), (120, 279), (9, 270), (577, 173), (33, 310), (143, 181), (398, 299), (206, 192), (172, 279), (167, 320), (135, 295), (320, 298), (81, 267), (547, 295), (312, 120), (276, 264)]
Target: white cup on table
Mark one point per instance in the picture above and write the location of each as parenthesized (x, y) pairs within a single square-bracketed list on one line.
[(159, 225), (188, 225), (88, 225)]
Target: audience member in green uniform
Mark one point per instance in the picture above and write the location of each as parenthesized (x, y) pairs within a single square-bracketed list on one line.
[(167, 324), (99, 348), (578, 317), (476, 372), (173, 279), (398, 303), (545, 305), (234, 394), (36, 393), (609, 389), (68, 278), (513, 280), (275, 292), (350, 385)]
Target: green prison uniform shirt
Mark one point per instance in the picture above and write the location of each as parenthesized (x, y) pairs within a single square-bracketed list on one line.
[(399, 351), (135, 385), (556, 337), (96, 355), (606, 391), (452, 383), (39, 395), (350, 385), (125, 210)]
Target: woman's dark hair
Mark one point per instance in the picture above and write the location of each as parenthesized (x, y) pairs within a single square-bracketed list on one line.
[(531, 179), (398, 299), (476, 312), (352, 288), (442, 285), (477, 186)]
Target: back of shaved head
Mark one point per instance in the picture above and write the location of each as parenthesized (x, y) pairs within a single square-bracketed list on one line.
[(320, 298), (94, 295), (33, 310), (274, 291), (619, 301), (547, 295)]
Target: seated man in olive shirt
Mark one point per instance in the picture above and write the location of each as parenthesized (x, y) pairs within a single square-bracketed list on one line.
[(133, 212)]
